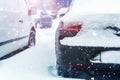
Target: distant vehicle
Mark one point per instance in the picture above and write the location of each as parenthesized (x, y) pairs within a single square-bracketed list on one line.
[(88, 40), (16, 28), (44, 20)]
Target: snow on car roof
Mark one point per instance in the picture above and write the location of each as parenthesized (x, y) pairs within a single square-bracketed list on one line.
[(96, 6), (79, 8)]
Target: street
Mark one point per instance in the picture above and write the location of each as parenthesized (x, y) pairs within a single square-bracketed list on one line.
[(33, 63)]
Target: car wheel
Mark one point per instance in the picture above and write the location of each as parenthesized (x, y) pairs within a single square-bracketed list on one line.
[(32, 40)]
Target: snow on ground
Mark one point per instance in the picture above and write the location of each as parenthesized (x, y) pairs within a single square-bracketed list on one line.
[(34, 63)]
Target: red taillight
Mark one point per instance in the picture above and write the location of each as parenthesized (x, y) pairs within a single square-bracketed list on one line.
[(73, 27), (80, 65)]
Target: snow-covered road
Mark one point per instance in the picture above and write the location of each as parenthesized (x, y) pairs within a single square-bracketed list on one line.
[(33, 63)]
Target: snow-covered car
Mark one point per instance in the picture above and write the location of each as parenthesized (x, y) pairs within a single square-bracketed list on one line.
[(16, 27), (87, 40)]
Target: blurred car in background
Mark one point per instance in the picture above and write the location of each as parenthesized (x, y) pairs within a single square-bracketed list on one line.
[(44, 20), (16, 27), (88, 40)]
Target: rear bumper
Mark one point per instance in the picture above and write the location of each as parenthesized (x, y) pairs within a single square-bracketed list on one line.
[(80, 56), (103, 69)]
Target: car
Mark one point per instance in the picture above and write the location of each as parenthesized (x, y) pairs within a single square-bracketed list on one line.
[(16, 28), (87, 41), (44, 20)]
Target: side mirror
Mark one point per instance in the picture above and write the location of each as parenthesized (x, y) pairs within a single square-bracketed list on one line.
[(32, 11)]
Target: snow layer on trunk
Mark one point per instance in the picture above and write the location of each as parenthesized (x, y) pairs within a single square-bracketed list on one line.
[(94, 31)]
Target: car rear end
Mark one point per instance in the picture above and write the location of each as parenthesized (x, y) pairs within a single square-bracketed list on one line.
[(84, 35)]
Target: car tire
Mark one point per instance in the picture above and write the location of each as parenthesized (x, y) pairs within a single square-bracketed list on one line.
[(32, 40)]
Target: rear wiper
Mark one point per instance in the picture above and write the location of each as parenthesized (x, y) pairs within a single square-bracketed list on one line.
[(115, 29)]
